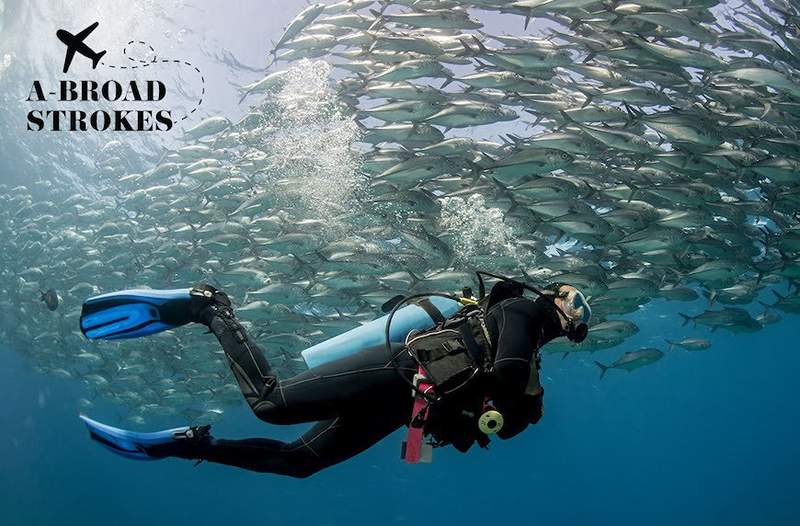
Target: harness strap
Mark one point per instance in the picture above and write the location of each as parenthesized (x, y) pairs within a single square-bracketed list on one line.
[(475, 350), (414, 450), (431, 309)]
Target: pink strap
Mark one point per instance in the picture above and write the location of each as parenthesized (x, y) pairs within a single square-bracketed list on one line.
[(415, 436)]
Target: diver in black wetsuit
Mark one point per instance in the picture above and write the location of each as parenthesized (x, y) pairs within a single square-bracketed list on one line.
[(358, 400)]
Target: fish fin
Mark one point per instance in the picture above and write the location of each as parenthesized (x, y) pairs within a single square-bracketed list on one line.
[(467, 49), (414, 278), (634, 189), (686, 319), (603, 368), (589, 98), (406, 150), (500, 185), (711, 297), (592, 190), (564, 356), (634, 115), (670, 343), (567, 117)]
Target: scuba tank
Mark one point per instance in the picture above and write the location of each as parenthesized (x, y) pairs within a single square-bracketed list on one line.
[(409, 318)]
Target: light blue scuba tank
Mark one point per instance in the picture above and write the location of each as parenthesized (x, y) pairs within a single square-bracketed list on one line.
[(373, 333)]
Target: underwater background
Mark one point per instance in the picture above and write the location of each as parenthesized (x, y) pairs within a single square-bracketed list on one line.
[(696, 438)]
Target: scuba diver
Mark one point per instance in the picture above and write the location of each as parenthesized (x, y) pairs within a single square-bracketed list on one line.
[(491, 368)]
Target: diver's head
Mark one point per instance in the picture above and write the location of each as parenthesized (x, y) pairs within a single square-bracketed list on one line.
[(572, 308)]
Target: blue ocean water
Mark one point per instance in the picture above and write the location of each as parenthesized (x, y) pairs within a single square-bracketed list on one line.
[(697, 438)]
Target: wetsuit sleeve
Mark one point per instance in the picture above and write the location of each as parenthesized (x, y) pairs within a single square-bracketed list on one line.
[(518, 326), (518, 333)]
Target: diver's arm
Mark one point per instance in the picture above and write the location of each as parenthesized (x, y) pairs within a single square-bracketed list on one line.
[(517, 392), (519, 412), (518, 328)]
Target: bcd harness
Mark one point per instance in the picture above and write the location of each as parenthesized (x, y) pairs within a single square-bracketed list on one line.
[(449, 356)]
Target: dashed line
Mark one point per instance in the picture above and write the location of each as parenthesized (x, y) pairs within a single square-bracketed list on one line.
[(156, 60)]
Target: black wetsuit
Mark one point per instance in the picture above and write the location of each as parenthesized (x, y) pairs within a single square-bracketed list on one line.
[(358, 400)]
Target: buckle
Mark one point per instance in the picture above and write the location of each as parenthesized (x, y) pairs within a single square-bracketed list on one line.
[(415, 382)]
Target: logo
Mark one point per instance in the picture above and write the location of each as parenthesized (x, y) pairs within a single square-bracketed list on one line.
[(75, 43), (137, 105)]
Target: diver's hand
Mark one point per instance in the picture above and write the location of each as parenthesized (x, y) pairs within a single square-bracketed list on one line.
[(533, 387)]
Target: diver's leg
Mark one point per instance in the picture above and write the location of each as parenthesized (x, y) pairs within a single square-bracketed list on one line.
[(251, 369), (321, 393), (334, 388), (325, 444)]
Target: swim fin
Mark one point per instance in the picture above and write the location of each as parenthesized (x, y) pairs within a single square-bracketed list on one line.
[(134, 444), (135, 313)]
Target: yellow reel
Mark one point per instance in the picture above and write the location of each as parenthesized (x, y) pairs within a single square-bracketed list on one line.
[(490, 422)]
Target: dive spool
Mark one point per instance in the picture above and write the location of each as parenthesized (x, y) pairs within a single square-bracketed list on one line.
[(490, 422)]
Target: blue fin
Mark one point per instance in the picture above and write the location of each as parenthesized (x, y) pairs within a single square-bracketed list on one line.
[(134, 313), (131, 444)]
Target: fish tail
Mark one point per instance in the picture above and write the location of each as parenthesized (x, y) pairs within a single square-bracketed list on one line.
[(686, 319), (479, 44), (300, 261), (603, 368), (378, 19), (481, 65), (670, 343)]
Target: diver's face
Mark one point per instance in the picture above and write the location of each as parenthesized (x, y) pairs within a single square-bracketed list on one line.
[(572, 302)]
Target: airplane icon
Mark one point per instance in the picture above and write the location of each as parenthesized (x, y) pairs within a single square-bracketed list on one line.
[(75, 43)]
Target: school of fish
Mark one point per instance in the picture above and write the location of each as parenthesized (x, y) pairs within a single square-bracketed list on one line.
[(638, 150)]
